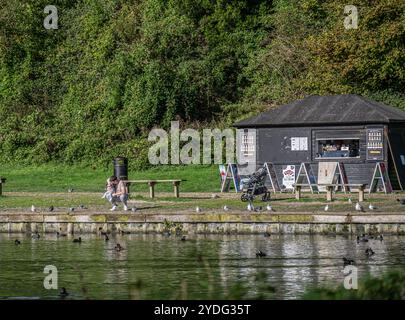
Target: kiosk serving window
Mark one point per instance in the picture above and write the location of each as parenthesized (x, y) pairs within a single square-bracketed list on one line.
[(338, 148)]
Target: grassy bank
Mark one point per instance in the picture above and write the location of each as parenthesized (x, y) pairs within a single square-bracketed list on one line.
[(59, 178)]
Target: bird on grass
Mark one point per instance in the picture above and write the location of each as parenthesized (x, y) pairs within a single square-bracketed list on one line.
[(226, 208), (71, 209), (35, 235), (118, 247), (369, 252), (17, 242), (70, 190), (183, 238), (58, 234), (260, 254), (51, 208), (380, 237), (133, 209), (326, 208), (63, 293), (214, 196), (33, 209), (269, 208), (359, 207), (82, 206), (371, 207), (347, 262), (79, 240), (198, 209), (250, 207), (401, 201), (350, 201), (258, 209)]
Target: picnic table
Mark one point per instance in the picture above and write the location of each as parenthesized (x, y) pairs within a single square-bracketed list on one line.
[(152, 183), (330, 187)]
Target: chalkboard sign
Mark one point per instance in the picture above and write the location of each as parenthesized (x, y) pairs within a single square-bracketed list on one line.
[(332, 173), (343, 177), (271, 173), (231, 175), (380, 175), (305, 174)]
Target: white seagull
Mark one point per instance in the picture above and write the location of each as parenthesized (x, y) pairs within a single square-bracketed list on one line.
[(359, 207), (250, 207), (371, 207), (198, 209), (33, 208), (269, 208), (326, 207), (350, 200), (226, 208)]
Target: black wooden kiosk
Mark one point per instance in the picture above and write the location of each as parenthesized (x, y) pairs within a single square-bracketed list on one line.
[(348, 129)]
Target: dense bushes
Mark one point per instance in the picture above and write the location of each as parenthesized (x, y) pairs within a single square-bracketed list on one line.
[(116, 68)]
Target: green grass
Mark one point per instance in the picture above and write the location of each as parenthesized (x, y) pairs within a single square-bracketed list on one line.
[(59, 178), (48, 184)]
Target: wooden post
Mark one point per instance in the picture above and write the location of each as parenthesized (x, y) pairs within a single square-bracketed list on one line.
[(2, 180), (151, 189), (176, 185), (329, 190), (298, 192), (361, 193)]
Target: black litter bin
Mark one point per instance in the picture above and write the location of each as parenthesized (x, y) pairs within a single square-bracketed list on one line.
[(121, 168)]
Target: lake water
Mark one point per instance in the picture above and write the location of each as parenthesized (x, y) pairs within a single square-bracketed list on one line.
[(202, 267)]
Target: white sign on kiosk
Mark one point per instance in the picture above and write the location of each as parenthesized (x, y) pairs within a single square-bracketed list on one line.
[(288, 176)]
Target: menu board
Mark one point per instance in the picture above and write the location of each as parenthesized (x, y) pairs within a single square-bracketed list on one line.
[(299, 144), (375, 144)]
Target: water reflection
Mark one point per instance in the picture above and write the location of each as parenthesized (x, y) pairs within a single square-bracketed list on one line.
[(202, 267)]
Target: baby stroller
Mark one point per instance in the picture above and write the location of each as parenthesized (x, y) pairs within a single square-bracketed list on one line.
[(254, 186)]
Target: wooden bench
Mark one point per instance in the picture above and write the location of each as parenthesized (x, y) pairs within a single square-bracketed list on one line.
[(152, 183), (330, 188), (298, 187), (2, 181)]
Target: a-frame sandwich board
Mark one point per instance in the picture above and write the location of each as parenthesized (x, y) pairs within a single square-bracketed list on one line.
[(231, 175), (271, 173), (305, 174), (380, 175)]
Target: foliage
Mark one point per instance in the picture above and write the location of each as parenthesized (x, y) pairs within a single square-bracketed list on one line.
[(114, 69), (391, 286)]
